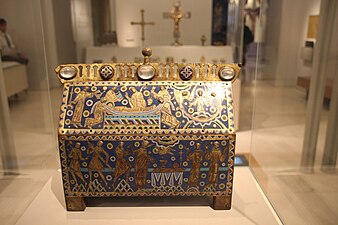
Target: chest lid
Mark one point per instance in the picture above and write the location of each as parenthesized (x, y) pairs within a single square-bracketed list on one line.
[(154, 98)]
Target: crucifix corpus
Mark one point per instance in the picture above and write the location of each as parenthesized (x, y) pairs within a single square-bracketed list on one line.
[(177, 14), (142, 23)]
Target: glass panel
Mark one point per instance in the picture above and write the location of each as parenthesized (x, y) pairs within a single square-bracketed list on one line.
[(27, 133), (283, 107), (272, 93)]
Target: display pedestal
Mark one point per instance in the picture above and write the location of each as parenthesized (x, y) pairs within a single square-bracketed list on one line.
[(250, 206), (15, 76)]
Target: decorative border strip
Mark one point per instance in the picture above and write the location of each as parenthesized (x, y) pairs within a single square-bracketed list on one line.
[(163, 72)]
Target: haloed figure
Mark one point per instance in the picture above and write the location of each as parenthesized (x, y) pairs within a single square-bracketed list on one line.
[(136, 100)]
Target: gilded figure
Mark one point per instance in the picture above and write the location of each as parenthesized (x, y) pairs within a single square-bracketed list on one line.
[(98, 109), (200, 101), (79, 102), (141, 165), (97, 162), (215, 156), (196, 159), (163, 96), (75, 155), (111, 97), (136, 100), (122, 165)]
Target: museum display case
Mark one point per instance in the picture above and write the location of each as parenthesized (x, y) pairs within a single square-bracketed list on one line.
[(284, 102), (27, 132)]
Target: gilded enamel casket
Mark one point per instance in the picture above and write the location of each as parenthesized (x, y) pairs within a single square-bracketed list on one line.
[(147, 130)]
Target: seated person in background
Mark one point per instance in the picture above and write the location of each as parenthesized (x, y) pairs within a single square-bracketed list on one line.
[(7, 47)]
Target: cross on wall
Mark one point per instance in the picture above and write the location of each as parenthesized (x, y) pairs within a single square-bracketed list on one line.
[(142, 23), (177, 14)]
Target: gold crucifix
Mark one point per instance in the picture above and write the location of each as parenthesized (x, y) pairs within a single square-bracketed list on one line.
[(142, 23), (177, 14)]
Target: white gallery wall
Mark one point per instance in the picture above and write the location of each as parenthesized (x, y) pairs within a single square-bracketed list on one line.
[(162, 32), (81, 12), (311, 8), (286, 35), (59, 41)]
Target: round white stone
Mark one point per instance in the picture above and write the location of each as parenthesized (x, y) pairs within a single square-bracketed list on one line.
[(227, 73), (68, 72), (146, 72)]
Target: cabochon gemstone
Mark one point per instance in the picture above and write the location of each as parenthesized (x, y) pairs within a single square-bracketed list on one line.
[(68, 72), (146, 72), (226, 73)]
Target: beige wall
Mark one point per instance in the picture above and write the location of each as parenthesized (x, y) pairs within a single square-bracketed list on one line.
[(162, 32), (63, 31)]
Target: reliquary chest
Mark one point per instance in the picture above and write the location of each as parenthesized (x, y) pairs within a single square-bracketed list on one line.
[(131, 129)]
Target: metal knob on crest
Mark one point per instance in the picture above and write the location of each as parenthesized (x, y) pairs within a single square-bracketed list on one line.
[(146, 71)]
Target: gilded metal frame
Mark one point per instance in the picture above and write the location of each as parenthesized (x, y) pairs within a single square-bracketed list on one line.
[(164, 72)]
